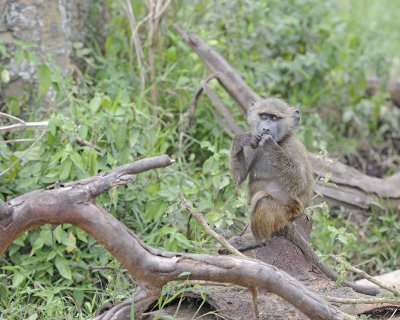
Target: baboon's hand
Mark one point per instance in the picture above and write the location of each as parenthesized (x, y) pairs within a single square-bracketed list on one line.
[(254, 140), (247, 139), (268, 142)]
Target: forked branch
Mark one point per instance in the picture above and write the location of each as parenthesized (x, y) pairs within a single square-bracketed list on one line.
[(75, 203)]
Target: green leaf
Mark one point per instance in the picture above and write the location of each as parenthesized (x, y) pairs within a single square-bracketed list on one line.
[(30, 170), (33, 316), (120, 137), (213, 217), (106, 102), (77, 160), (95, 104), (157, 210), (343, 238), (60, 234), (51, 255), (153, 187), (19, 53), (17, 279), (83, 131), (116, 100), (184, 274), (182, 239), (70, 242), (63, 267), (82, 235), (44, 77), (4, 291), (65, 169), (44, 237), (93, 162), (210, 166), (52, 126), (5, 76), (171, 54), (223, 183), (3, 51)]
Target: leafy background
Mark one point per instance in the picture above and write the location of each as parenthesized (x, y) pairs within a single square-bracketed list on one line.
[(311, 52)]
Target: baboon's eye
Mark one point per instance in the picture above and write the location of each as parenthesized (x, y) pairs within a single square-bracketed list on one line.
[(274, 118), (263, 116)]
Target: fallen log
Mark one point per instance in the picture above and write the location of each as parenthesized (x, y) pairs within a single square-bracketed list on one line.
[(375, 84)]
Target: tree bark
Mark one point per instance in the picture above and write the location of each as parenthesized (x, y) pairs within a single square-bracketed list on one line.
[(51, 26)]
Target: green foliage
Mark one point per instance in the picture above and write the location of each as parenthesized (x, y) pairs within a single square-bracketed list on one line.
[(313, 52), (376, 248)]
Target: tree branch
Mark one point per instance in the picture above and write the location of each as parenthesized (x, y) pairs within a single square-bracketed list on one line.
[(74, 203), (227, 76), (365, 275), (373, 300), (21, 123), (135, 40), (200, 219), (193, 104)]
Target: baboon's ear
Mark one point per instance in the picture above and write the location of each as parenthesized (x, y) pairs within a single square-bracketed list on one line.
[(251, 107), (252, 104), (297, 118)]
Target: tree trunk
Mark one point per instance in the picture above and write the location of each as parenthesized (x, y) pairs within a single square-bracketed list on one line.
[(51, 26)]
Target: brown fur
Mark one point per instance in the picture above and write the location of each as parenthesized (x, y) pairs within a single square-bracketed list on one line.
[(267, 213)]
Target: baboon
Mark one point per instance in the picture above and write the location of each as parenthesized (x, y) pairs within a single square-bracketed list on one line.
[(280, 177)]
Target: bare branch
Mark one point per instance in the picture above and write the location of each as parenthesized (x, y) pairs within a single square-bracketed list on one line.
[(19, 140), (23, 126), (151, 61), (87, 143), (365, 275), (6, 211), (200, 219), (227, 76), (196, 97), (254, 297), (121, 175), (6, 115), (161, 11), (142, 299), (138, 46), (222, 123), (389, 300), (221, 107)]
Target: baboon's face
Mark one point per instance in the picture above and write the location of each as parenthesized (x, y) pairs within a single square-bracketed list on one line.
[(273, 117)]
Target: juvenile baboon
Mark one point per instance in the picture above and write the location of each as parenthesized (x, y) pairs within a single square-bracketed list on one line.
[(280, 176)]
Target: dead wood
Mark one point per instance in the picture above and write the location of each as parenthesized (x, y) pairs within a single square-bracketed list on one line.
[(375, 85), (74, 203), (193, 104), (226, 75), (352, 188), (348, 187)]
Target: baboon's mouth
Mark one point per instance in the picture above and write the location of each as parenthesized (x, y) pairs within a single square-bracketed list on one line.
[(268, 134)]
